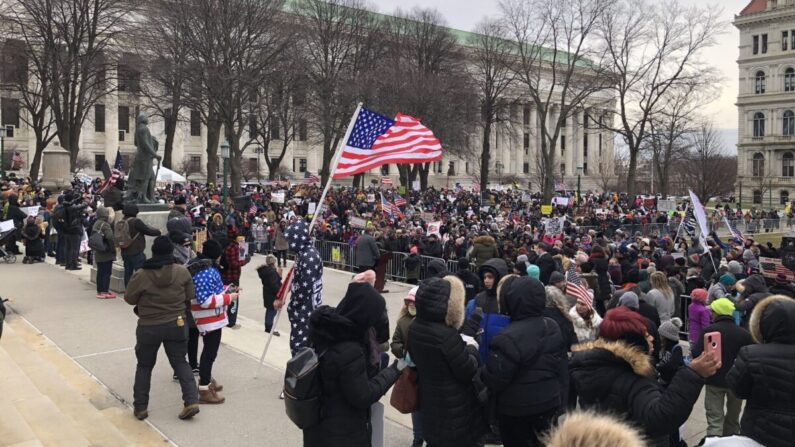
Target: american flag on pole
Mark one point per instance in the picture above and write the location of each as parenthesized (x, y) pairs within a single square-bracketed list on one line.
[(689, 223), (311, 178), (376, 140), (575, 287), (385, 180), (119, 163), (400, 201), (390, 208), (737, 235)]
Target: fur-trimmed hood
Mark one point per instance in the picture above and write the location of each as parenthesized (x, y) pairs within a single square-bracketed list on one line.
[(588, 429), (773, 320), (604, 351), (441, 300), (484, 240)]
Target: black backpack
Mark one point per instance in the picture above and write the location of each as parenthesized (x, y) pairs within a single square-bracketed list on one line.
[(303, 391), (59, 217)]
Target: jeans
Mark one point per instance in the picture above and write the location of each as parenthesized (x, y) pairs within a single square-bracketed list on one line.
[(60, 249), (231, 312), (193, 348), (148, 341), (416, 425), (718, 423), (524, 430), (281, 258), (212, 340), (103, 276), (131, 265), (72, 249), (270, 315)]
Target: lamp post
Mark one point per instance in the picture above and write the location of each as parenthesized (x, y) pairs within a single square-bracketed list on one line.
[(2, 153), (225, 156), (579, 174)]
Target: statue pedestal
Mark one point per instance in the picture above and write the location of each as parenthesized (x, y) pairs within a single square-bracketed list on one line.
[(55, 169), (156, 216)]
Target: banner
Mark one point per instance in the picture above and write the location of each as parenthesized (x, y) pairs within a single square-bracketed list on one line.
[(698, 210), (546, 210), (433, 228), (277, 197), (666, 205)]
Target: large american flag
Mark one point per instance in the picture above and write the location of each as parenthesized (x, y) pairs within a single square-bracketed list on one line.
[(575, 287), (377, 140)]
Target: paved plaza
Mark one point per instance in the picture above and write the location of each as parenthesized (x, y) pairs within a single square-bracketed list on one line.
[(69, 358)]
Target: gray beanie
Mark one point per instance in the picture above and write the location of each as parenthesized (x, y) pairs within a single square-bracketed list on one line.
[(556, 277), (735, 267), (521, 258), (670, 329), (629, 299)]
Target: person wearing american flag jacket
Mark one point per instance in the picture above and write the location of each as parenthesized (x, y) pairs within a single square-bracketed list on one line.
[(307, 283)]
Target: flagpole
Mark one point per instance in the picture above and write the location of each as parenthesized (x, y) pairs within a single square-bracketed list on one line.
[(681, 222), (318, 211)]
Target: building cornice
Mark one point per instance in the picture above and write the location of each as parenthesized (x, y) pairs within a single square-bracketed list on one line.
[(762, 17)]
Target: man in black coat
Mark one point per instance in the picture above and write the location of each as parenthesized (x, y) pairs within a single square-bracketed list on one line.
[(544, 261), (73, 229), (717, 393), (468, 277), (527, 364)]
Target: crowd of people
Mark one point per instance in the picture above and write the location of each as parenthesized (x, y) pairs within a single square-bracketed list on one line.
[(549, 310)]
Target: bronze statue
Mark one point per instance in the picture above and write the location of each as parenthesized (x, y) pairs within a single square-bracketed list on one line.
[(141, 180)]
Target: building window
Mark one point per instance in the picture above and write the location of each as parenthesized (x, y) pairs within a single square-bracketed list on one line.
[(789, 123), (526, 143), (759, 84), (764, 43), (783, 197), (99, 118), (585, 145), (600, 145), (757, 197), (792, 36), (759, 124), (466, 167), (585, 168), (562, 144), (253, 165), (526, 116), (789, 80), (784, 39), (563, 169), (195, 124), (10, 110), (196, 163), (99, 160), (756, 44), (437, 167), (526, 168), (129, 79), (788, 165), (302, 130), (275, 131), (758, 165), (124, 118), (586, 120), (384, 169), (302, 165), (252, 126)]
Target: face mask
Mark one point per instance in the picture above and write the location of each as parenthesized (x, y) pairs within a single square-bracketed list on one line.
[(412, 311)]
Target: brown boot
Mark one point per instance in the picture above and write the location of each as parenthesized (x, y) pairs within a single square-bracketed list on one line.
[(209, 396), (188, 411), (215, 386)]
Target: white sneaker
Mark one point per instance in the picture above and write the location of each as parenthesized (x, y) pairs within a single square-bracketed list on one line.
[(281, 395)]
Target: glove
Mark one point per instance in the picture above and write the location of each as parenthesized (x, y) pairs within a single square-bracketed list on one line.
[(471, 327)]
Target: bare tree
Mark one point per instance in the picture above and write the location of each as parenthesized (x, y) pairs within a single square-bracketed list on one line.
[(557, 64), (82, 162), (707, 169), (75, 36), (652, 47), (490, 67), (236, 43)]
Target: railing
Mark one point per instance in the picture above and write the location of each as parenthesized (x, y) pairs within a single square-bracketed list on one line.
[(681, 312)]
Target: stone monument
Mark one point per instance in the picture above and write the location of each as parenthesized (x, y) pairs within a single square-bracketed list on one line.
[(55, 168)]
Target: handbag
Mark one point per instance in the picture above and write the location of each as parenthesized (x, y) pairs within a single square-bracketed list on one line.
[(405, 394)]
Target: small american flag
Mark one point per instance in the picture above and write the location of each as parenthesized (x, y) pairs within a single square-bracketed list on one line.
[(253, 209), (400, 201), (310, 178), (390, 208), (385, 180), (575, 288), (476, 187), (376, 140), (737, 235)]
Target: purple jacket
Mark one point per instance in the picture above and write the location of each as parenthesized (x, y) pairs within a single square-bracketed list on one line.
[(698, 319)]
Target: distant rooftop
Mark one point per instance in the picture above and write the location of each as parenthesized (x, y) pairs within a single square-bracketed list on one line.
[(754, 6)]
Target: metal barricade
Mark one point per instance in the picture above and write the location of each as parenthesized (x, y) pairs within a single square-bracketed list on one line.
[(337, 255), (396, 267), (684, 303)]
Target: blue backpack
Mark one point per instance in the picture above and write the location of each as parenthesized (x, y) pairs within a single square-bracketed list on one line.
[(491, 324)]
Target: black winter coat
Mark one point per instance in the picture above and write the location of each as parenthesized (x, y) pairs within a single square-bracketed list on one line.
[(471, 283), (603, 278), (762, 374), (451, 414), (613, 377), (732, 339), (271, 281), (565, 325), (527, 363), (546, 265)]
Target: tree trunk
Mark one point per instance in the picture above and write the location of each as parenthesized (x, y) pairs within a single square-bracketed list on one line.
[(403, 175), (424, 170), (213, 137), (485, 155), (631, 174), (235, 165), (168, 147), (548, 158), (328, 154)]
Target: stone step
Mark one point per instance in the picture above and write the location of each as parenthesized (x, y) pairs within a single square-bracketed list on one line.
[(63, 387)]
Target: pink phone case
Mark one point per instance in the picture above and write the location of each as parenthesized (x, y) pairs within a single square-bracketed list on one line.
[(712, 344)]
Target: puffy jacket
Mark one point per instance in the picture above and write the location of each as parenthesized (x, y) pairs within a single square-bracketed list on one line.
[(161, 290), (614, 377), (762, 374), (526, 366), (732, 338), (493, 320), (103, 226), (599, 262), (451, 413), (271, 282), (348, 392), (755, 290), (483, 249)]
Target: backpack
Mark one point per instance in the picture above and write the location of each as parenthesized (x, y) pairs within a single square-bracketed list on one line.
[(121, 233), (58, 217), (97, 242), (303, 390)]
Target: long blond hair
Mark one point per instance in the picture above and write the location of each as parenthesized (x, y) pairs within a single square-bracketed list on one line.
[(659, 281)]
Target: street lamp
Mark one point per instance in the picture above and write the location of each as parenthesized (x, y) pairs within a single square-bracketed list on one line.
[(225, 156), (2, 153), (579, 174)]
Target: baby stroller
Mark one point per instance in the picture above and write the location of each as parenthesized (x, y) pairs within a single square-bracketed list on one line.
[(7, 256)]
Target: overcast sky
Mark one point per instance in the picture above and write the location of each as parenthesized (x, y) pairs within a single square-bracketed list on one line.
[(465, 14)]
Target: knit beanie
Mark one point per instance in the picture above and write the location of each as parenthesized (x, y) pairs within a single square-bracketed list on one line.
[(670, 329), (722, 306), (463, 263), (162, 246), (699, 295), (412, 294), (533, 271), (627, 325), (735, 268), (212, 249), (413, 250), (727, 279), (556, 277), (521, 258), (630, 300)]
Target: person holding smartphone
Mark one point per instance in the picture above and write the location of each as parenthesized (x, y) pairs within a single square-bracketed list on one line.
[(718, 394)]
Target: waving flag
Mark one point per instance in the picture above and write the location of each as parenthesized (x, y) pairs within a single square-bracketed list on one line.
[(310, 178), (689, 223), (385, 180), (737, 235), (376, 140), (575, 287), (400, 201), (390, 208), (119, 163)]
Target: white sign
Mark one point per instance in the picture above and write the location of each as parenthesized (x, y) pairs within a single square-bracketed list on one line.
[(526, 197), (243, 250), (415, 185), (666, 204), (31, 210), (277, 197), (433, 228), (7, 225), (560, 201), (312, 208), (370, 198), (553, 226)]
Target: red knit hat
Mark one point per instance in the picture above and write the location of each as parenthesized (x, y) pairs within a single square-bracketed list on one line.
[(622, 322), (699, 295)]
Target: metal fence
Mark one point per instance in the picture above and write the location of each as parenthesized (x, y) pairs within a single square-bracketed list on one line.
[(751, 226), (682, 313)]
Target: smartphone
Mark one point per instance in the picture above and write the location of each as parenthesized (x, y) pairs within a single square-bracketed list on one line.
[(712, 344)]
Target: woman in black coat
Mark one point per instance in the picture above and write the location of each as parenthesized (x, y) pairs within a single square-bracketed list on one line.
[(446, 364), (762, 374), (526, 367), (271, 280), (599, 261), (341, 337), (614, 374)]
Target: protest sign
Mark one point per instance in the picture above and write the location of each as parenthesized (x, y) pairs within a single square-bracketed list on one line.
[(546, 210), (415, 185), (358, 222), (526, 197), (370, 198), (277, 197), (666, 205), (312, 208), (7, 225), (402, 190), (433, 228), (31, 210)]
